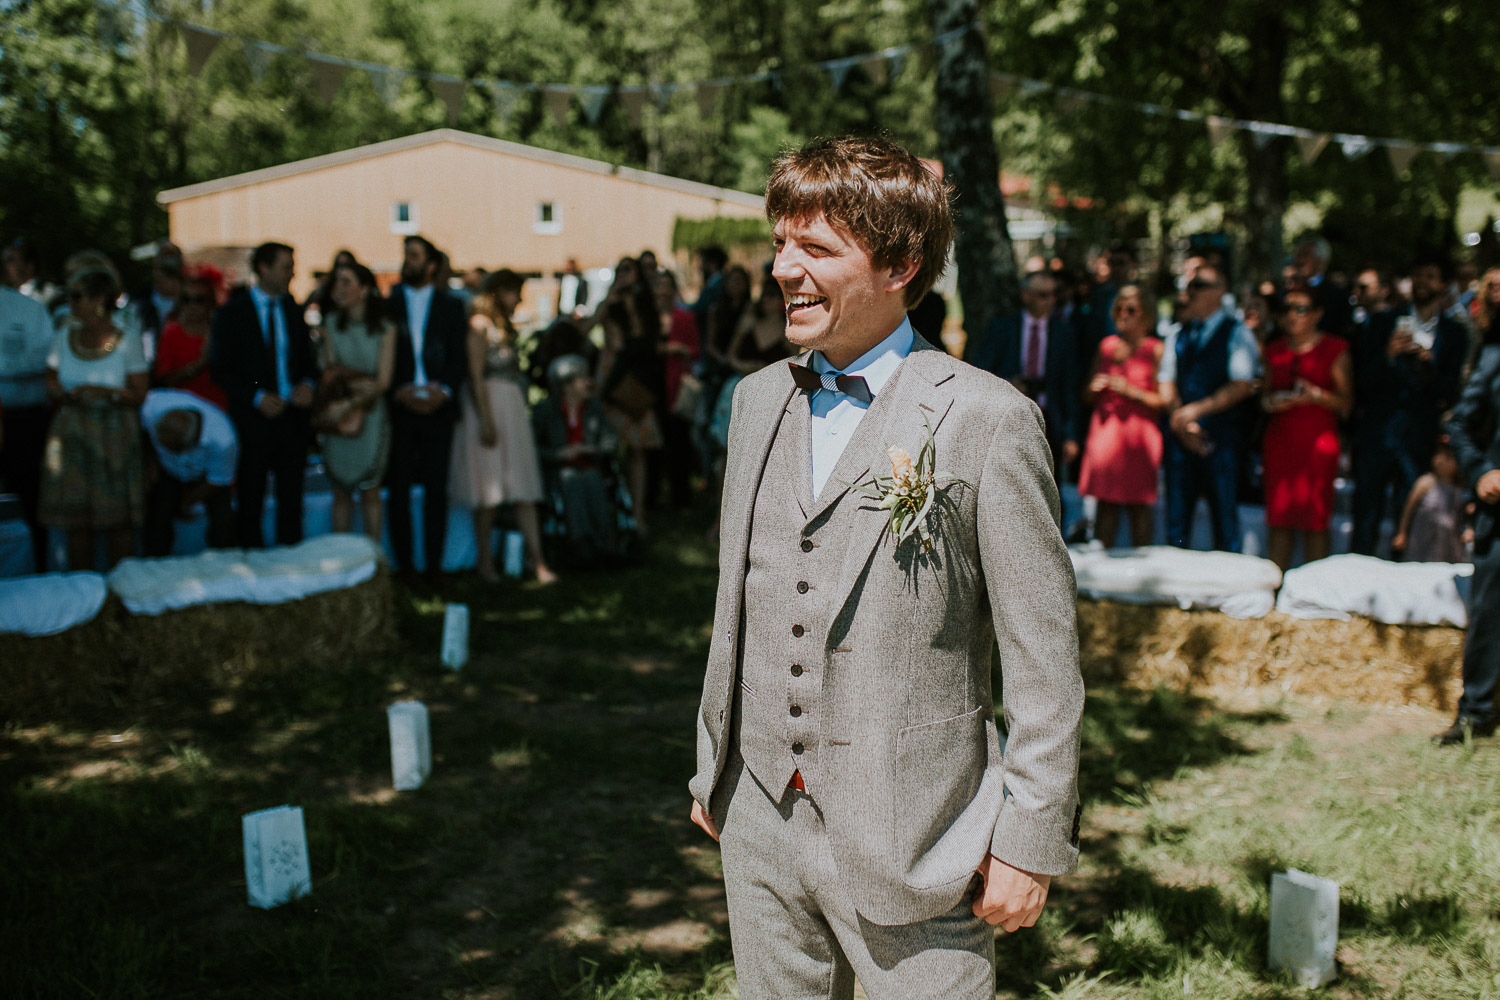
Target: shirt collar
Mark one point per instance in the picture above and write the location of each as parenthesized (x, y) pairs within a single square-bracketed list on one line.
[(261, 296), (879, 363)]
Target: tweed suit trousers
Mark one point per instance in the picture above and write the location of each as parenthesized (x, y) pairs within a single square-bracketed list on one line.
[(796, 935)]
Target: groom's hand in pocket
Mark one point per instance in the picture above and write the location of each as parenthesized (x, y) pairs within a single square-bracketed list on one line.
[(1010, 897), (705, 821)]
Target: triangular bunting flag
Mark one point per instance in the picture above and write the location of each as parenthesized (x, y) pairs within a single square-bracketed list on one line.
[(200, 45), (1070, 104), (592, 99), (505, 97), (1401, 154), (896, 62), (776, 80), (451, 93), (259, 58), (1492, 160), (1219, 129), (661, 93), (874, 68), (387, 84), (558, 100), (838, 72), (1002, 85), (328, 76), (708, 96), (1262, 137), (634, 101), (1311, 145)]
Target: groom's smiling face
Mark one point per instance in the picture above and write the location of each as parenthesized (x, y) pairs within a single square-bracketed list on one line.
[(837, 300)]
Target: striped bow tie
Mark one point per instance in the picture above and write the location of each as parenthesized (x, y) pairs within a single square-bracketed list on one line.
[(853, 386)]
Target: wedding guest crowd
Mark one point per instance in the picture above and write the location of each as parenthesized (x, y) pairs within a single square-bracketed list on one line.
[(1271, 396)]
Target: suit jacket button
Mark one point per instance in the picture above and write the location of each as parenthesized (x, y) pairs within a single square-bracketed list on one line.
[(807, 545), (796, 711), (802, 586), (796, 670), (797, 631), (797, 748)]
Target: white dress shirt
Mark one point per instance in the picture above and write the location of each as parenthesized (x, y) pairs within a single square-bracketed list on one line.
[(26, 337), (213, 458), (418, 305), (836, 415), (1244, 351)]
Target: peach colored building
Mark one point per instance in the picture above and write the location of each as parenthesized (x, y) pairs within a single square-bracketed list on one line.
[(487, 202)]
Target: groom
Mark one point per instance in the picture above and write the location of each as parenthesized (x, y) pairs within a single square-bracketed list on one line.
[(848, 758)]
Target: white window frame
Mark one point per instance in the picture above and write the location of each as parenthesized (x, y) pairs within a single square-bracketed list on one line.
[(554, 227), (411, 226)]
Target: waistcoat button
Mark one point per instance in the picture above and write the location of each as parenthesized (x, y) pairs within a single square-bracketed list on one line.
[(796, 670), (796, 710), (807, 545), (801, 586), (797, 748), (797, 631)]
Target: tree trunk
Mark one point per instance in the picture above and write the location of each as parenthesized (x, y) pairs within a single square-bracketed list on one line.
[(1265, 165), (988, 285)]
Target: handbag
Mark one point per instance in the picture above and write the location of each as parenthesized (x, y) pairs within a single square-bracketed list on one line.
[(334, 410), (689, 394), (631, 396)]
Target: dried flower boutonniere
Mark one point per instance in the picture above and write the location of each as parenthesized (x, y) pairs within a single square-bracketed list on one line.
[(914, 493)]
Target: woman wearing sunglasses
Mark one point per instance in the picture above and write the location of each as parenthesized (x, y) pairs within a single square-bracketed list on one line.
[(182, 351), (1308, 387)]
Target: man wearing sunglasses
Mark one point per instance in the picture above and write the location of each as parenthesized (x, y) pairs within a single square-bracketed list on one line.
[(1208, 368)]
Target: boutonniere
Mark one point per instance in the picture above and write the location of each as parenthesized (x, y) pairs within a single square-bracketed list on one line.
[(916, 495)]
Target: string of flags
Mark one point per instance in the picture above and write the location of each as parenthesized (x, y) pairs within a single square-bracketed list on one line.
[(328, 72)]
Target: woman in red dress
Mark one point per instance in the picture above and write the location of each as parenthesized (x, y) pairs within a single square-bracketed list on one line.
[(1123, 454), (1309, 385), (182, 350)]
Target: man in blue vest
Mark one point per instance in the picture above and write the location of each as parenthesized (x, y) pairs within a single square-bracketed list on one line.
[(1208, 368)]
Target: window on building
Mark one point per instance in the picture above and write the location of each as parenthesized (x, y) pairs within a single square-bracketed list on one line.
[(404, 218), (547, 221)]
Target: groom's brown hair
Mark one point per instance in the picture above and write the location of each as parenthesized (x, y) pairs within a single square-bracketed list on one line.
[(877, 191)]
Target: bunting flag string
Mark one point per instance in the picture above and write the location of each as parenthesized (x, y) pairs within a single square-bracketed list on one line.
[(881, 67)]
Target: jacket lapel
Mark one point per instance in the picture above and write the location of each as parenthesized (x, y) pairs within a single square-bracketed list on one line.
[(797, 452), (768, 406), (917, 400)]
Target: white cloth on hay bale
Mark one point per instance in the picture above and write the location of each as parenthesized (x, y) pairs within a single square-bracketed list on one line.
[(1238, 585), (257, 576), (1389, 592), (50, 603)]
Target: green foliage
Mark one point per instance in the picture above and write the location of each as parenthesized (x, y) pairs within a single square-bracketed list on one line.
[(689, 234)]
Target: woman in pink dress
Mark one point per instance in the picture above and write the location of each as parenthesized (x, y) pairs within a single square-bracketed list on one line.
[(1123, 454)]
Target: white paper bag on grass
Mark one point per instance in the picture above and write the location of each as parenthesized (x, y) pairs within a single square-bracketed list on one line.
[(456, 636), (515, 554), (411, 744), (1304, 926), (276, 867)]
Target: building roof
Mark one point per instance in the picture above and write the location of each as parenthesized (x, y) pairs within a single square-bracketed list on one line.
[(481, 142)]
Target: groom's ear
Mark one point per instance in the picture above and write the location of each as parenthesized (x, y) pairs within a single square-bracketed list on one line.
[(901, 274)]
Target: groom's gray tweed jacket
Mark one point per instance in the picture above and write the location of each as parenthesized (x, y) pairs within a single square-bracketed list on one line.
[(909, 774)]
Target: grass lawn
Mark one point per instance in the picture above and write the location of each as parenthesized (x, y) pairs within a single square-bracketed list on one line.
[(550, 855)]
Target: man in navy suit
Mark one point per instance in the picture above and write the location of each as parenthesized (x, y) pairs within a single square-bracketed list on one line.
[(1407, 364), (1035, 351), (431, 365), (261, 355)]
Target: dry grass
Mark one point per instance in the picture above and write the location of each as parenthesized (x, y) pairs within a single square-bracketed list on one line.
[(1207, 652)]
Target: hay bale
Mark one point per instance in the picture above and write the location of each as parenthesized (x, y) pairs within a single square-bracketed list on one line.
[(1202, 651), (120, 659)]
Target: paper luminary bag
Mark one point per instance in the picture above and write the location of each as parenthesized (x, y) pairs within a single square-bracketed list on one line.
[(515, 554), (1304, 926), (411, 744), (456, 636), (276, 867)]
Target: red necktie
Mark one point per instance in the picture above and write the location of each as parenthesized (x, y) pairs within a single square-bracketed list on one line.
[(1033, 348)]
